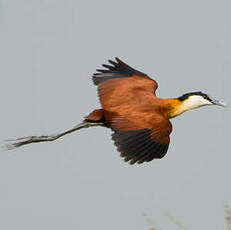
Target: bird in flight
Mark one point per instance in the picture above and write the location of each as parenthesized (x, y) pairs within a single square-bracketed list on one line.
[(140, 120)]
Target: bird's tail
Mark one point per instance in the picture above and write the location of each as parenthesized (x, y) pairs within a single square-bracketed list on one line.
[(96, 116), (12, 144)]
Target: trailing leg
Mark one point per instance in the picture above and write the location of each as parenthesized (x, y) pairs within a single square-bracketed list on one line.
[(36, 139)]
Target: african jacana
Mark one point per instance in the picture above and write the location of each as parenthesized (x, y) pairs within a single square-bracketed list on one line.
[(130, 107)]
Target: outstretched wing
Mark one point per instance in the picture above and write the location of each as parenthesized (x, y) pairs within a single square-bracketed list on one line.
[(139, 141), (121, 79)]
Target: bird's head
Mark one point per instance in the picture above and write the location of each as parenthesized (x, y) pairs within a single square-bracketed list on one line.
[(190, 101), (197, 99)]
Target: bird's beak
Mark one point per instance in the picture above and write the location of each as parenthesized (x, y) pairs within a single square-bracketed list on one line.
[(220, 103)]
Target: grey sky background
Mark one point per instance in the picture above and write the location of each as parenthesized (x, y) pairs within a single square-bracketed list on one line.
[(49, 50)]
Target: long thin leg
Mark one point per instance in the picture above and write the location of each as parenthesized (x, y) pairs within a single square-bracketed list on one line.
[(35, 139)]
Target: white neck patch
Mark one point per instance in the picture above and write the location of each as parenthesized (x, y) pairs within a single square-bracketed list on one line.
[(195, 101)]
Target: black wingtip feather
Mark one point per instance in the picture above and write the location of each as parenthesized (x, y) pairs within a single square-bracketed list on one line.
[(117, 69), (118, 60), (137, 146), (110, 67), (112, 62)]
